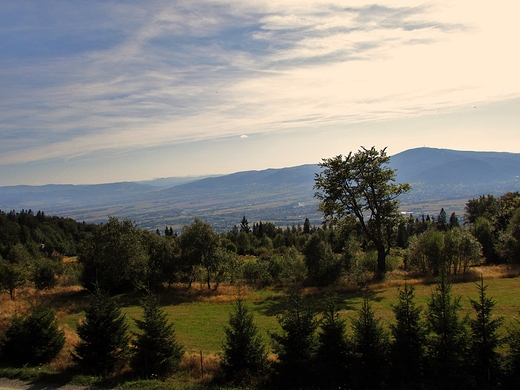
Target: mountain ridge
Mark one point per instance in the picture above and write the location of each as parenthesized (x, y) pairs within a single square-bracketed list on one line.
[(284, 196)]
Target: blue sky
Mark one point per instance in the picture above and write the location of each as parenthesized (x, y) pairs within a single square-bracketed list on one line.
[(104, 91)]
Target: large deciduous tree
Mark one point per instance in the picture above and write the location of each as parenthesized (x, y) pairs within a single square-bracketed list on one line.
[(362, 185), (114, 258)]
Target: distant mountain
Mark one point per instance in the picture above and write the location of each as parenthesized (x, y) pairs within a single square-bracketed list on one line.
[(439, 178), (452, 167)]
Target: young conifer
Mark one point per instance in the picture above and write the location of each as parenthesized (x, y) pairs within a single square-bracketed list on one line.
[(407, 349), (155, 350), (484, 335), (103, 334), (447, 341), (296, 345), (244, 357), (334, 349), (370, 345), (33, 338)]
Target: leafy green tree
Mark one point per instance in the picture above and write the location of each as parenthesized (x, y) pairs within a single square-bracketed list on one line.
[(296, 346), (362, 185), (324, 267), (114, 258), (199, 244), (244, 358), (447, 340), (370, 346), (483, 206), (461, 250), (46, 273), (334, 353), (103, 336), (407, 349), (426, 252), (509, 240), (485, 339), (155, 350), (164, 263), (483, 231), (12, 276), (32, 339)]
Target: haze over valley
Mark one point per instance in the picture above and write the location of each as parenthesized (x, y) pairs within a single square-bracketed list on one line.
[(439, 178)]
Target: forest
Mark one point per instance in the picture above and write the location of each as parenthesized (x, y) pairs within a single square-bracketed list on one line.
[(363, 241)]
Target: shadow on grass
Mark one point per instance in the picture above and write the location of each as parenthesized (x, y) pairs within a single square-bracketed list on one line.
[(348, 301)]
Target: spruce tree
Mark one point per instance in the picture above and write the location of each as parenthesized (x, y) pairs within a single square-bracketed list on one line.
[(334, 349), (244, 358), (32, 339), (370, 346), (447, 342), (296, 345), (407, 349), (513, 354), (103, 334), (484, 335), (155, 350)]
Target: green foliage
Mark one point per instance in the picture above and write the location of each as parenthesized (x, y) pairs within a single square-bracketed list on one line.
[(244, 357), (46, 273), (513, 353), (485, 339), (114, 258), (155, 350), (362, 185), (447, 341), (199, 244), (32, 339), (296, 346), (370, 345), (324, 267), (12, 276), (164, 253), (334, 351), (103, 334), (407, 349), (454, 251)]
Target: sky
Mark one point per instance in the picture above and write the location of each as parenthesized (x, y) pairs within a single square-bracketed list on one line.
[(106, 91)]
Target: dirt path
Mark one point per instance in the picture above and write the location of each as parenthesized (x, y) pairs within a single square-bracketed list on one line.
[(14, 384)]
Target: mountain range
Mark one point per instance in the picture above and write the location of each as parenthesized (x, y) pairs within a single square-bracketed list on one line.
[(439, 178)]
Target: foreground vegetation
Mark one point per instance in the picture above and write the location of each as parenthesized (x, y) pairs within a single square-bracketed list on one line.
[(263, 306), (200, 318)]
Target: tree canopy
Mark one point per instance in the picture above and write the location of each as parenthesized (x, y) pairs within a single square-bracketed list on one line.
[(362, 185)]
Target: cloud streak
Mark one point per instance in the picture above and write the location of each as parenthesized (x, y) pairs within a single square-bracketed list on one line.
[(89, 77)]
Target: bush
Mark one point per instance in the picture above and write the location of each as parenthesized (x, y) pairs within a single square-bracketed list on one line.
[(46, 274), (32, 339)]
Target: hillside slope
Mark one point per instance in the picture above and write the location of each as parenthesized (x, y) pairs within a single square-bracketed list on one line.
[(284, 196)]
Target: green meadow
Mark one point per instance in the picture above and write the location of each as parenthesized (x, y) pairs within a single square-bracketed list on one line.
[(199, 315)]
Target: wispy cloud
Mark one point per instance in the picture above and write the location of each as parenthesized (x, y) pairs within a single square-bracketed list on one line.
[(82, 77)]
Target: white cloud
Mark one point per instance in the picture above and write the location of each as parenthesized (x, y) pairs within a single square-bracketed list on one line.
[(185, 71)]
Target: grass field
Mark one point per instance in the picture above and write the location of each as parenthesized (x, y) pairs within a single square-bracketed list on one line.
[(200, 315)]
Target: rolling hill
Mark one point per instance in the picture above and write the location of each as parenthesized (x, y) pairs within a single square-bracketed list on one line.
[(439, 178)]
